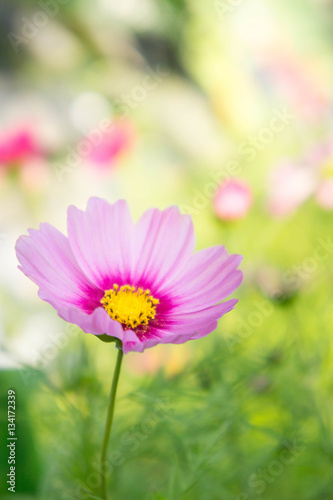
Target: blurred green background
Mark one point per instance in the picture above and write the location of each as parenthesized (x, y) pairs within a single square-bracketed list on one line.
[(192, 94)]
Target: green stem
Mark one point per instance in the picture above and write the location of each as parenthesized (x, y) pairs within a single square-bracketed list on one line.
[(108, 424)]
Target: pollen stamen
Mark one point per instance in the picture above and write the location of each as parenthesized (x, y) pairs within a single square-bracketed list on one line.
[(129, 305)]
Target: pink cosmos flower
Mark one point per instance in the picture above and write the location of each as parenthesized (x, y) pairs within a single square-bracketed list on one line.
[(140, 283), (291, 184), (17, 146), (113, 143), (232, 200)]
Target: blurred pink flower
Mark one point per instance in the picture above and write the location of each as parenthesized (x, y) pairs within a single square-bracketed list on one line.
[(290, 185), (294, 80), (232, 199), (112, 145), (18, 146), (139, 283), (23, 154), (324, 194)]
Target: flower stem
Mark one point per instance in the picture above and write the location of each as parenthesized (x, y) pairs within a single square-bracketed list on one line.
[(108, 424)]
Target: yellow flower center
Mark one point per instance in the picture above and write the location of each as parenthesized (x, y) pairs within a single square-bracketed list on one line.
[(129, 305)]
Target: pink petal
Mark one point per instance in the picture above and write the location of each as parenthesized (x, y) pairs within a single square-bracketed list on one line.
[(182, 333), (208, 328), (164, 337), (46, 258), (97, 323), (209, 277), (101, 239), (196, 322), (164, 242)]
